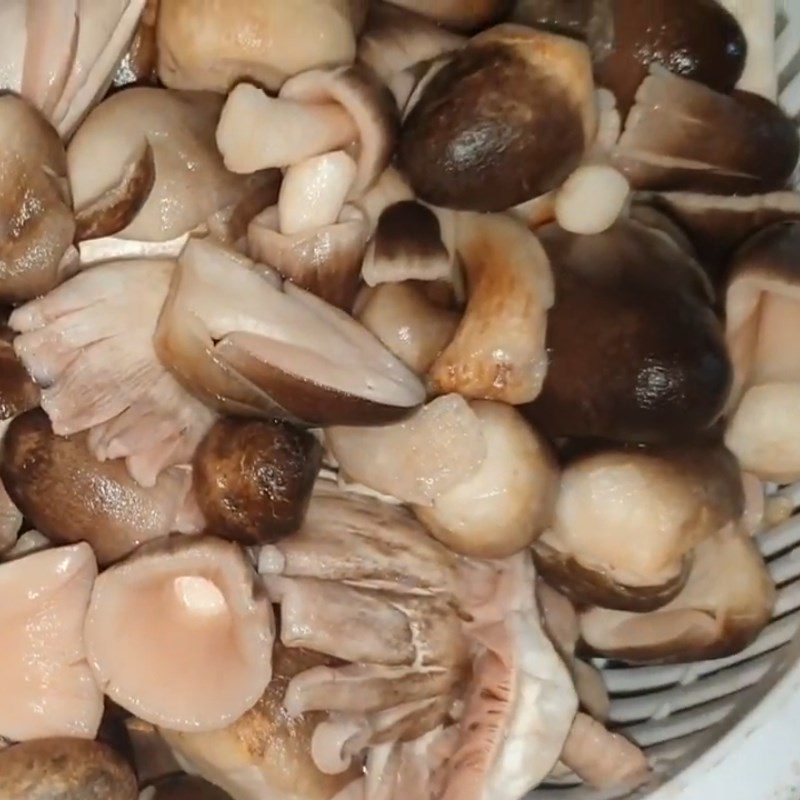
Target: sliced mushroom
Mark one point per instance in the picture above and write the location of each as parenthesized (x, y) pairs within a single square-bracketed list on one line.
[(507, 118), (498, 351), (89, 343), (139, 64), (636, 555), (458, 14), (49, 689), (69, 769), (507, 503), (70, 496), (683, 135), (180, 634), (38, 224), (762, 308), (726, 603), (636, 352), (253, 479), (240, 342)]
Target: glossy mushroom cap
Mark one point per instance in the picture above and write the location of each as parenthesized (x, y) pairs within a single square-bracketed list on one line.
[(506, 118), (18, 390), (636, 353), (181, 633)]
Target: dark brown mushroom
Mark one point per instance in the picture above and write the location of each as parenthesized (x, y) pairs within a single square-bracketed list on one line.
[(253, 479), (185, 787), (507, 118), (568, 17), (18, 391), (458, 14), (636, 352)]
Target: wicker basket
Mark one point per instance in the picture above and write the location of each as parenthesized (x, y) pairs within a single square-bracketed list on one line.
[(726, 729)]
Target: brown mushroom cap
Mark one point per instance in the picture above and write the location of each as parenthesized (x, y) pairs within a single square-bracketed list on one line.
[(253, 479), (67, 769), (568, 17), (18, 391), (504, 120), (70, 496), (636, 353), (458, 14)]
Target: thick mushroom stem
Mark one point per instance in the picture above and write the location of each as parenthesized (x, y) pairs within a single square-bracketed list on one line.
[(498, 352), (165, 624)]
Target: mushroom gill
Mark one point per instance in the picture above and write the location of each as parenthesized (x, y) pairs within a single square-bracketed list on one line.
[(48, 688), (180, 634), (249, 346), (89, 344)]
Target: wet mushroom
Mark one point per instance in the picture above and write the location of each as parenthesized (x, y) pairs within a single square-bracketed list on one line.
[(458, 14), (567, 17), (70, 496), (139, 64), (636, 352), (636, 556), (250, 347), (167, 624), (726, 603), (69, 769), (253, 479), (506, 119)]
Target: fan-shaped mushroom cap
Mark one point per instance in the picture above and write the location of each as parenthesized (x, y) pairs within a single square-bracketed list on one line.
[(69, 769), (636, 352), (458, 14), (636, 555), (504, 120), (180, 634), (239, 341), (49, 688), (725, 604)]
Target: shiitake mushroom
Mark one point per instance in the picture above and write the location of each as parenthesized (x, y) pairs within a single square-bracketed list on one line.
[(253, 478)]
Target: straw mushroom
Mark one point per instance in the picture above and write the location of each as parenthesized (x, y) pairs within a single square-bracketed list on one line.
[(69, 769), (253, 479), (139, 64), (18, 391), (458, 14), (507, 118), (167, 623), (185, 787)]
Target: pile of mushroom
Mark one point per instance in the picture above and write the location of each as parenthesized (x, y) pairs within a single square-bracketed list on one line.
[(368, 367)]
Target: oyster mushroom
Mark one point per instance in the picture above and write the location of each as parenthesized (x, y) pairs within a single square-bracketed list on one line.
[(498, 350), (725, 604), (69, 769), (266, 752), (139, 64), (253, 479), (237, 340), (636, 352), (38, 225), (458, 14), (70, 496), (636, 556), (89, 344), (508, 501), (165, 625), (761, 305), (211, 44), (683, 135), (49, 688), (507, 118)]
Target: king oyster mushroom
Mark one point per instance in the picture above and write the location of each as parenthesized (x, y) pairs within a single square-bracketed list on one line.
[(38, 225), (67, 769), (636, 555), (762, 308), (636, 352), (70, 496), (89, 343), (507, 118), (458, 14), (145, 172), (49, 689), (168, 623), (725, 604), (240, 341)]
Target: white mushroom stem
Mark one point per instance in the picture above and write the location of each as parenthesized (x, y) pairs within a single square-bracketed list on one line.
[(313, 192), (592, 199), (257, 131)]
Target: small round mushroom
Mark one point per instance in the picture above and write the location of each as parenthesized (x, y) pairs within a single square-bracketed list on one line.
[(507, 503), (636, 353), (725, 604), (180, 634), (636, 555), (70, 496), (507, 118), (253, 479), (67, 769), (458, 14)]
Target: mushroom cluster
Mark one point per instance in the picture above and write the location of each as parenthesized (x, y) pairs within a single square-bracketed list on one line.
[(367, 367)]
